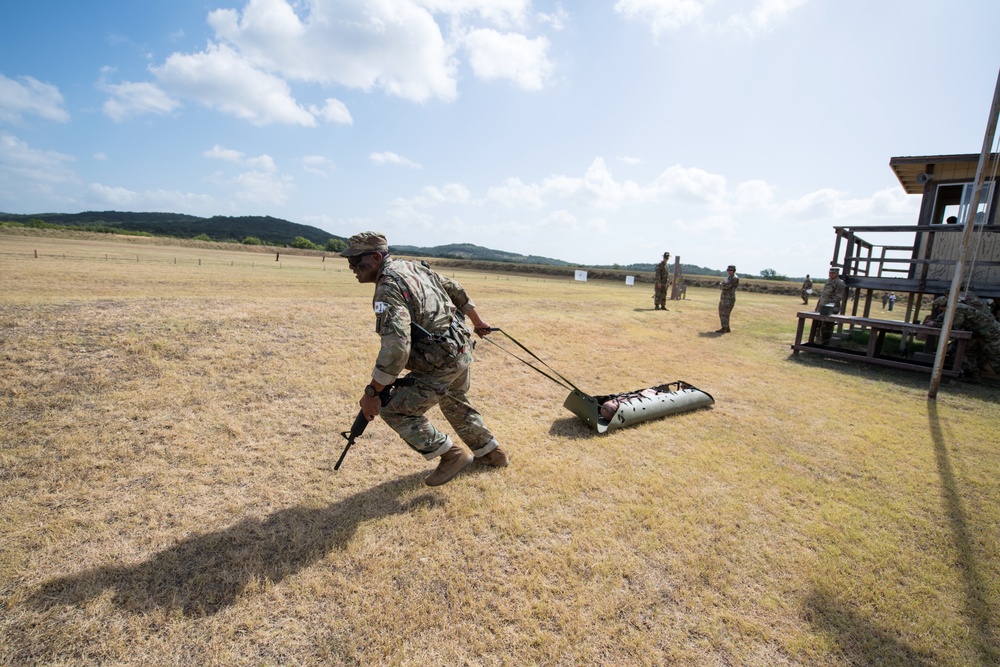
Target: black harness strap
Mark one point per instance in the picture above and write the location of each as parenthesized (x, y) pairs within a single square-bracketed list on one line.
[(529, 364)]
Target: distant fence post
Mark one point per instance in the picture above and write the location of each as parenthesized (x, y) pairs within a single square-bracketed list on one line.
[(36, 254)]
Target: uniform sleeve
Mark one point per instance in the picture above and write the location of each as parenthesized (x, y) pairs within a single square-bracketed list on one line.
[(457, 294), (392, 324)]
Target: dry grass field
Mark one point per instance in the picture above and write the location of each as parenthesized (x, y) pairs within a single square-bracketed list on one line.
[(170, 416)]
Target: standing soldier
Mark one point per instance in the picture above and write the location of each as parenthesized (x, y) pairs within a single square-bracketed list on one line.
[(728, 297), (662, 281), (833, 292), (807, 286), (420, 316)]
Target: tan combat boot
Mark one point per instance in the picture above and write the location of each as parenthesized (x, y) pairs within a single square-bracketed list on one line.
[(452, 462), (496, 458)]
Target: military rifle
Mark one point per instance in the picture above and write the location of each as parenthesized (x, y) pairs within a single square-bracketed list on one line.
[(417, 333), (360, 424)]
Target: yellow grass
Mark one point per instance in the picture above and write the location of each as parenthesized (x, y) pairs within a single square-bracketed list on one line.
[(170, 416)]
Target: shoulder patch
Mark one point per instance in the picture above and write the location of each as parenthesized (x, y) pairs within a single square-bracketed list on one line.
[(381, 307)]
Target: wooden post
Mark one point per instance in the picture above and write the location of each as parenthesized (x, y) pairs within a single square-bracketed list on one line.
[(675, 289), (970, 222)]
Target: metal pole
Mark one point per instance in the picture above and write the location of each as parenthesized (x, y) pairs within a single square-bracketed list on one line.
[(970, 221)]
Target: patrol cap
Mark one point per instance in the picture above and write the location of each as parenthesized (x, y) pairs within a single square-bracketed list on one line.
[(731, 267), (834, 269), (365, 242)]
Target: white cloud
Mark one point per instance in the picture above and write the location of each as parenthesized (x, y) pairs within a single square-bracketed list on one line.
[(450, 193), (691, 184), (663, 15), (116, 197), (754, 195), (258, 187), (557, 19), (217, 152), (629, 160), (129, 99), (181, 202), (333, 111), (220, 78), (510, 56), (561, 221), (835, 208), (765, 14), (29, 96), (389, 157), (514, 194), (100, 156), (598, 226), (20, 163), (393, 46), (598, 188), (673, 15), (404, 48), (503, 13), (264, 162), (317, 164)]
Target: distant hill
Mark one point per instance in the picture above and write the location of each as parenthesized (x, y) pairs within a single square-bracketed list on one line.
[(275, 231), (470, 251), (272, 231)]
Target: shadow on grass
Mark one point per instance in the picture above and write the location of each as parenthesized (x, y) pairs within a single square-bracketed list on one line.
[(206, 573), (573, 428), (861, 642), (906, 378), (977, 608)]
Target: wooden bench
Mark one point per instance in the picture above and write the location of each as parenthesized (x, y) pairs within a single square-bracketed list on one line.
[(878, 329)]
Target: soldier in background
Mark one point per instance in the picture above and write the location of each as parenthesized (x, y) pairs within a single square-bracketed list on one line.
[(833, 292), (807, 286), (406, 293), (982, 354), (660, 284), (727, 299)]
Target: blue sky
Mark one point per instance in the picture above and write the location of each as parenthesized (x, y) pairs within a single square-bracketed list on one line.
[(599, 132)]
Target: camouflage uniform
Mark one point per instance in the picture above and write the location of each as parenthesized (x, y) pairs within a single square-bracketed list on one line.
[(662, 282), (807, 285), (984, 347), (727, 299), (406, 292), (833, 292)]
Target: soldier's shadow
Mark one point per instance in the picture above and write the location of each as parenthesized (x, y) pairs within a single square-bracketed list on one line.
[(203, 574)]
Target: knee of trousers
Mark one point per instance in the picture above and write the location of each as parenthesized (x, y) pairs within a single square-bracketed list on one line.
[(417, 431)]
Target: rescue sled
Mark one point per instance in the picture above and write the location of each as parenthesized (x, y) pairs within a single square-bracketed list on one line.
[(607, 413)]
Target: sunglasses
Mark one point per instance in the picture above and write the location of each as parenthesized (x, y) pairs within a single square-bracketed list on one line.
[(356, 260)]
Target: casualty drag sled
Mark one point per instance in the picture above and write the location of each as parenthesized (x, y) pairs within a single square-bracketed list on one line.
[(606, 413)]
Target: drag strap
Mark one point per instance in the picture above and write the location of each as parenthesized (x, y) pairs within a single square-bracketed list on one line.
[(528, 363)]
